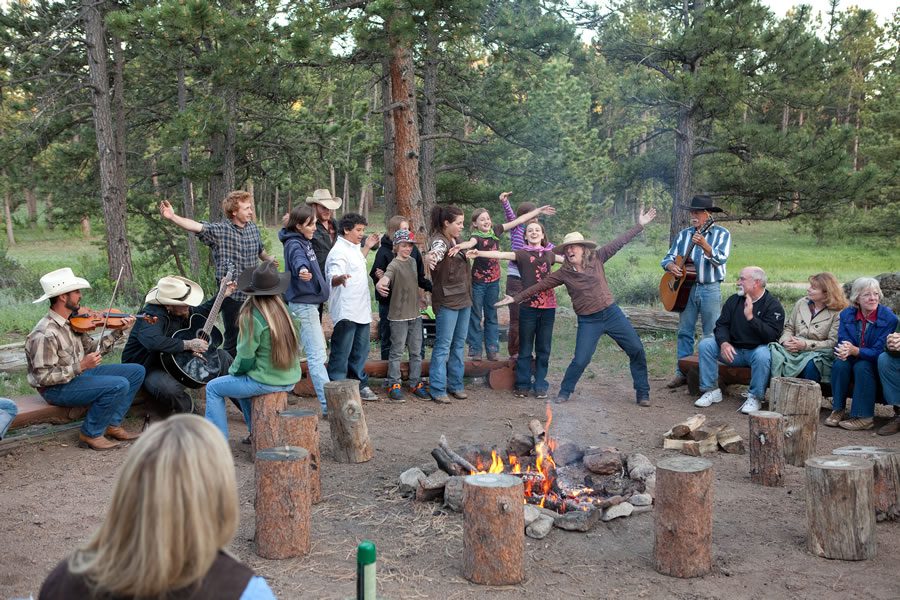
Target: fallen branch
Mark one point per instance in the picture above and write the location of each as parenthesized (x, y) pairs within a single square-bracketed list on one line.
[(454, 456)]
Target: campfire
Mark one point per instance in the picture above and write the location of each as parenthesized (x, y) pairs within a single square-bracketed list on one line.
[(574, 486)]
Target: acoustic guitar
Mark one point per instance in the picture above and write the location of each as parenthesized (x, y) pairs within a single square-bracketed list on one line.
[(674, 290), (192, 370)]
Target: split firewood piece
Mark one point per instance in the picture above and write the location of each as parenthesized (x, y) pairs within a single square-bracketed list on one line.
[(537, 431), (684, 429), (707, 445), (445, 463), (730, 441), (706, 430), (456, 457)]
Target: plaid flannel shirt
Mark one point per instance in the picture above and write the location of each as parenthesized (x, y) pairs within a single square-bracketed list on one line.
[(230, 244), (54, 351)]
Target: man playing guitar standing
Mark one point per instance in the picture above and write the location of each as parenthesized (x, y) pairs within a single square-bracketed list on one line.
[(708, 255)]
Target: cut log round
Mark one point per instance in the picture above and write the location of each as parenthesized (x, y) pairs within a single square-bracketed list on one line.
[(301, 428), (683, 527), (767, 448), (799, 401), (349, 432), (264, 422), (887, 478), (282, 502), (493, 532), (840, 507)]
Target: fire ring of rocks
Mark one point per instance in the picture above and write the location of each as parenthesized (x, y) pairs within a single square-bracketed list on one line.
[(565, 485)]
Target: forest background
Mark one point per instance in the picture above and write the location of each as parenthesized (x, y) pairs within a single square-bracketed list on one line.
[(107, 107)]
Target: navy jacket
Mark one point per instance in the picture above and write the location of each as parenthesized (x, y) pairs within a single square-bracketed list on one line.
[(299, 254), (766, 325), (876, 333), (383, 258), (147, 340)]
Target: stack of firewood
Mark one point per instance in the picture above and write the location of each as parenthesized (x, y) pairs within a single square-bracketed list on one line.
[(696, 437)]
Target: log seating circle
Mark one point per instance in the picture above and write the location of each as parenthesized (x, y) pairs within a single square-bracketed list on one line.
[(767, 448), (493, 529), (300, 427), (282, 502), (886, 477), (683, 517)]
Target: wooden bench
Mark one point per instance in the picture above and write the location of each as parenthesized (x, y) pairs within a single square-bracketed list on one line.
[(728, 375), (34, 410)]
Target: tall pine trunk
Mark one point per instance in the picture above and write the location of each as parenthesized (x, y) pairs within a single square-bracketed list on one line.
[(387, 124), (187, 186), (429, 120)]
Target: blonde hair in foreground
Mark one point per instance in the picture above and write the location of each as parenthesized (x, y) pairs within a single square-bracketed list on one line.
[(174, 507), (281, 328)]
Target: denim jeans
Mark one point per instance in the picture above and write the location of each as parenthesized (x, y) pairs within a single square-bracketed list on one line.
[(535, 332), (758, 359), (513, 287), (230, 310), (856, 378), (349, 351), (8, 412), (889, 375), (704, 301), (406, 334), (613, 322), (242, 388), (484, 295), (384, 330), (447, 357), (107, 391), (811, 372), (313, 340)]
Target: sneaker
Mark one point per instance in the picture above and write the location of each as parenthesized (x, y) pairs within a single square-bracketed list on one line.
[(367, 394), (834, 419), (709, 398), (421, 391), (396, 394), (519, 393), (541, 395), (677, 381), (751, 404), (560, 398), (459, 394), (857, 424), (441, 399), (892, 427), (643, 401)]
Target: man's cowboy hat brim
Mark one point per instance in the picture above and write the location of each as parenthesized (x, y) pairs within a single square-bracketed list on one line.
[(59, 282), (701, 202), (715, 209), (324, 198), (170, 291), (245, 284)]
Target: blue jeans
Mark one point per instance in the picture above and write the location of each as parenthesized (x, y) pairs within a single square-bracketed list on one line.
[(107, 391), (447, 357), (349, 351), (242, 388), (704, 301), (8, 412), (613, 322), (484, 295), (858, 379), (889, 375), (758, 359), (535, 332), (313, 340), (811, 372)]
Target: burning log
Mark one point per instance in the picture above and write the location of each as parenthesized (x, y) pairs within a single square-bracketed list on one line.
[(469, 467), (301, 428), (767, 448), (493, 536), (282, 502), (445, 463), (683, 542), (349, 432), (840, 511)]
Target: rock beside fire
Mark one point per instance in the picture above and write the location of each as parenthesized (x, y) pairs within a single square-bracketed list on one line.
[(520, 444), (531, 513), (432, 487), (641, 500), (540, 528), (639, 467), (623, 509), (409, 480), (578, 520), (567, 453), (603, 461), (453, 491)]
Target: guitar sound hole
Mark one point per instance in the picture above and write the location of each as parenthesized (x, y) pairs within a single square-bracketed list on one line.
[(201, 370)]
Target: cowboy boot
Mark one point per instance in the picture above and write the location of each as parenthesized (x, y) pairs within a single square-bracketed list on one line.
[(96, 443), (117, 432)]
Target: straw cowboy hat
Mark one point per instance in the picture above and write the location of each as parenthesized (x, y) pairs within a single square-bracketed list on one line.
[(701, 203), (263, 280), (324, 197), (175, 291), (60, 281), (574, 238)]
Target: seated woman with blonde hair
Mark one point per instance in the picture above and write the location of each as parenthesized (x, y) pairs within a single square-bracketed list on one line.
[(173, 511), (810, 333)]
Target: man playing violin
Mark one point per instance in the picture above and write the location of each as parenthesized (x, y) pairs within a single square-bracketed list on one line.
[(709, 255), (172, 302), (65, 366)]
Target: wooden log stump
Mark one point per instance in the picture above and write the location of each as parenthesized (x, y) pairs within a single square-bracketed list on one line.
[(798, 401), (264, 422), (840, 507), (493, 529), (886, 478), (767, 448), (683, 526), (349, 432), (301, 428), (282, 502)]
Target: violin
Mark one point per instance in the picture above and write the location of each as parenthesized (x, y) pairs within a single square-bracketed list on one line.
[(87, 319)]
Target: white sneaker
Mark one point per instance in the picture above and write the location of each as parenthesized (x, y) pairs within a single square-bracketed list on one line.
[(708, 398), (367, 394), (751, 404)]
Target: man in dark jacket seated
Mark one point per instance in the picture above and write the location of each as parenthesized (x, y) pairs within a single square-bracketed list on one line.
[(750, 319), (173, 301)]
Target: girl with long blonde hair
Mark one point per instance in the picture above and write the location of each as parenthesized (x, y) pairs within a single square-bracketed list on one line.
[(173, 511), (267, 357)]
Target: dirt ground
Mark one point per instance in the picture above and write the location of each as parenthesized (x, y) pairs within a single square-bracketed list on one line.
[(54, 495)]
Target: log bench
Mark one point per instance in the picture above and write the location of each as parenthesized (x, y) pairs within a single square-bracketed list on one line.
[(728, 375), (34, 410)]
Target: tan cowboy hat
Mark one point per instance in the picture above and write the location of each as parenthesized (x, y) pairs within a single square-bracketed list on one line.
[(324, 197), (263, 280), (60, 281), (574, 238), (175, 291)]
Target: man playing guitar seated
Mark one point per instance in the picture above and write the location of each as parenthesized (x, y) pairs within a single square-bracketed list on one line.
[(65, 366), (173, 301), (707, 253)]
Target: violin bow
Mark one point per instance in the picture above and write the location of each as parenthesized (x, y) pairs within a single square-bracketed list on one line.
[(111, 300)]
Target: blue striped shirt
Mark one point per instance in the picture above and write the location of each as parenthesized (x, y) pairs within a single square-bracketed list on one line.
[(710, 269)]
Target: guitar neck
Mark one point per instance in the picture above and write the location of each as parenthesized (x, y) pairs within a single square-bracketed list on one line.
[(214, 311)]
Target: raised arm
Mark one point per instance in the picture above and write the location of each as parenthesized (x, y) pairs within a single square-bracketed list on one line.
[(454, 250), (168, 213), (491, 254), (534, 214)]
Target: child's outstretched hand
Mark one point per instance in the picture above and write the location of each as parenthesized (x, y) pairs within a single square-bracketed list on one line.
[(472, 253), (646, 217), (505, 196), (547, 210), (383, 286)]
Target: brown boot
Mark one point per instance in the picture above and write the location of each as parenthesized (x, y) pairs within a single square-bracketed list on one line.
[(890, 428), (117, 432), (677, 381), (97, 443)]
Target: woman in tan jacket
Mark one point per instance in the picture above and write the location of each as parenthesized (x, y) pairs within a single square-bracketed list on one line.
[(810, 333)]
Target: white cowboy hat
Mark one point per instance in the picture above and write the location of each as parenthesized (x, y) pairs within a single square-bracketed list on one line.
[(324, 197), (60, 281), (574, 237), (175, 291)]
